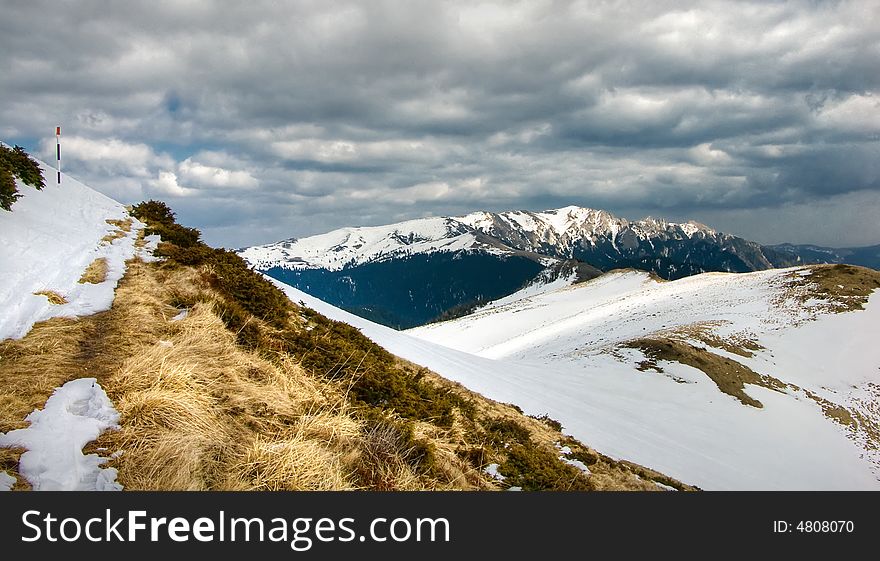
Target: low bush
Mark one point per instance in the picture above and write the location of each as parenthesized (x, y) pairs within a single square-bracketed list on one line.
[(15, 162)]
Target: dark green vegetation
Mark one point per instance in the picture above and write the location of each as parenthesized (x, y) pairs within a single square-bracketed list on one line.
[(335, 349), (415, 290), (529, 466), (15, 162)]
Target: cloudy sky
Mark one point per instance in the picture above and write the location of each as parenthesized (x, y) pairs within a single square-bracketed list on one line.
[(258, 120)]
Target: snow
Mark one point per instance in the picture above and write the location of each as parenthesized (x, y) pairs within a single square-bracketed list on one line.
[(6, 481), (76, 414), (49, 238), (355, 246), (612, 308), (146, 253), (549, 354), (565, 451), (576, 463), (492, 470), (533, 289)]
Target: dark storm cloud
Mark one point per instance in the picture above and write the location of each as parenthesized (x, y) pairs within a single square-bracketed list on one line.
[(264, 120)]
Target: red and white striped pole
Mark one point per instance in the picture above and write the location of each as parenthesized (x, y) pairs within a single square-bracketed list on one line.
[(58, 151)]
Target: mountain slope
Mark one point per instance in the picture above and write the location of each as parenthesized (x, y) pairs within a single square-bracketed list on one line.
[(401, 275), (411, 273), (67, 224), (730, 381), (210, 378), (670, 250), (864, 256)]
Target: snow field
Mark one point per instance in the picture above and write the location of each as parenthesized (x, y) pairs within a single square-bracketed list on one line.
[(49, 239), (549, 354)]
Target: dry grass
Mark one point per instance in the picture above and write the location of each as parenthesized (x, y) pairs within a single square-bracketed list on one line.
[(63, 349), (32, 368), (112, 236), (201, 412), (741, 344), (844, 288), (123, 227), (52, 296), (96, 272), (729, 375), (833, 411)]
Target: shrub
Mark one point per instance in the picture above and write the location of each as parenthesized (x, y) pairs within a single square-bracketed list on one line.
[(341, 352), (528, 465), (549, 421), (15, 162), (160, 220), (230, 274), (505, 431)]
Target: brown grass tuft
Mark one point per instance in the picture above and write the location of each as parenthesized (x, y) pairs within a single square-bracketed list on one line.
[(742, 344), (729, 375), (53, 297), (123, 227), (96, 272), (844, 288)]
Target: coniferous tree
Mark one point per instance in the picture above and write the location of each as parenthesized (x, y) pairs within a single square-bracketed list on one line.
[(15, 162)]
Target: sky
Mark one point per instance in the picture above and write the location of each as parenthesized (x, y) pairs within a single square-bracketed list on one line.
[(258, 121)]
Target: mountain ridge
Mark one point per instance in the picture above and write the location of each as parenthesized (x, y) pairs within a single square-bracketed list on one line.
[(488, 255)]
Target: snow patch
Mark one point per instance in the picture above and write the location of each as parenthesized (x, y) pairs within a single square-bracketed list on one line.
[(492, 470), (76, 414), (576, 463), (6, 481)]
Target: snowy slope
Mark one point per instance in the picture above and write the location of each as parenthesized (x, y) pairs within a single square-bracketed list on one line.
[(49, 238), (679, 423), (579, 333)]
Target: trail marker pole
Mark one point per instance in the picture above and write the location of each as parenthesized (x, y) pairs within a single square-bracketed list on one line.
[(58, 151)]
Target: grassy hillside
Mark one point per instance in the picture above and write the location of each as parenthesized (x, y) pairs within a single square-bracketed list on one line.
[(249, 391)]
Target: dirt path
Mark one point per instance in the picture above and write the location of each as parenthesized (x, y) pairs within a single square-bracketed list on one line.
[(63, 349)]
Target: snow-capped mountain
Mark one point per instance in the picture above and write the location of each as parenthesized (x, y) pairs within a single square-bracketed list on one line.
[(352, 247), (594, 236), (671, 250), (417, 271), (403, 274)]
